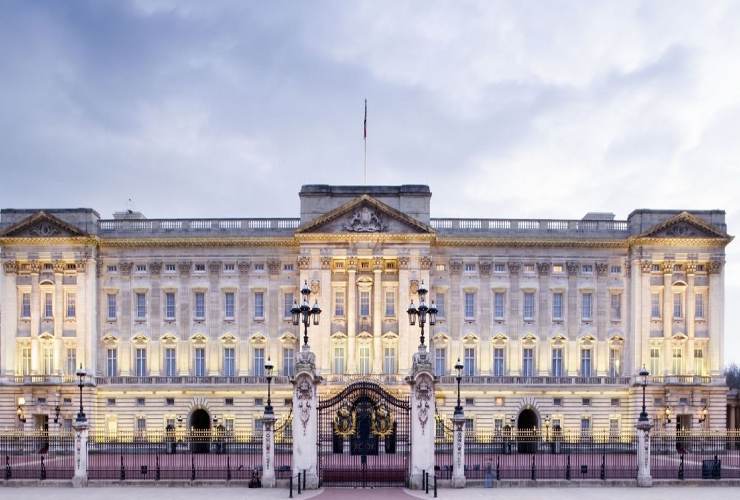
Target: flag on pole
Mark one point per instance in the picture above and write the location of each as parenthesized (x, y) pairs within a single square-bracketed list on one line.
[(364, 124)]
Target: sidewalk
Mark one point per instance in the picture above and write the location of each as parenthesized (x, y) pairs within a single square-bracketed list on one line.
[(656, 493)]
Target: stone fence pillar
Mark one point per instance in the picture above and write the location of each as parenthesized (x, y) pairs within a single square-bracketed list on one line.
[(644, 477), (458, 457), (305, 418), (81, 433), (268, 450), (421, 381)]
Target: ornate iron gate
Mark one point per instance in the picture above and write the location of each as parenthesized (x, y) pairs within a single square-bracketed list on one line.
[(364, 437)]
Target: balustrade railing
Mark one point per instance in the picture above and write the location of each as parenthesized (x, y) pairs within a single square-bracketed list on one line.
[(165, 226), (534, 226), (537, 380), (186, 379)]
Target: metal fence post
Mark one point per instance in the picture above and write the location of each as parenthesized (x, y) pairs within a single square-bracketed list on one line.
[(435, 486), (299, 483), (291, 486), (567, 468)]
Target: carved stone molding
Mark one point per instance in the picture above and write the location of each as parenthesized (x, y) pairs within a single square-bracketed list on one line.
[(352, 263), (243, 266), (34, 267), (325, 262), (81, 265), (514, 267), (485, 268), (273, 266), (125, 267), (413, 287), (10, 267), (456, 266), (59, 266), (691, 267), (365, 220), (403, 262), (155, 267), (215, 266), (99, 267), (304, 262), (714, 266), (425, 262), (572, 267), (543, 268), (423, 398), (646, 266), (184, 267), (304, 396), (602, 268), (316, 287), (667, 267), (627, 268)]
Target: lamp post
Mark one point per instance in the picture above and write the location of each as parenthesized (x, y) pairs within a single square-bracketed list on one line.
[(304, 313), (547, 427), (81, 374), (421, 313), (268, 375), (459, 370), (643, 381), (20, 411)]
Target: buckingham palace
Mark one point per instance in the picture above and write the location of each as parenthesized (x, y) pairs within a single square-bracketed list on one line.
[(174, 320)]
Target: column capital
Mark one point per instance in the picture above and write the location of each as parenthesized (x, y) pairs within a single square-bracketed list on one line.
[(10, 266)]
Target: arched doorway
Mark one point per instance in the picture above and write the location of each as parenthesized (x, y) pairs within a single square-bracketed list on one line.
[(200, 426), (527, 425)]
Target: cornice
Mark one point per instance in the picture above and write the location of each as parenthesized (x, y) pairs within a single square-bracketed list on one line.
[(354, 237), (534, 242), (680, 242), (199, 242), (48, 240)]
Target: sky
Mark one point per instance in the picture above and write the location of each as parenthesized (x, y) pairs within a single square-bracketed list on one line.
[(506, 109)]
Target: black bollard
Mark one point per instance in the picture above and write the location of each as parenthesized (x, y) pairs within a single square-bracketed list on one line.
[(435, 486), (123, 470), (602, 474), (534, 474), (304, 479), (43, 468), (8, 470), (157, 476), (427, 486), (291, 486), (567, 468), (680, 468), (299, 483), (423, 480)]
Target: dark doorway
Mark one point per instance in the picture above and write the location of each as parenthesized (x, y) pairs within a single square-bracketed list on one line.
[(41, 423), (200, 431), (364, 443), (683, 427), (527, 436)]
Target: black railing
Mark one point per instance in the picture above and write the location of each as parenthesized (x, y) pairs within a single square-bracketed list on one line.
[(695, 455), (37, 455)]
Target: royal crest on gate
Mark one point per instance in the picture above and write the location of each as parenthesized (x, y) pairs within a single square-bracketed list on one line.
[(345, 422), (382, 422)]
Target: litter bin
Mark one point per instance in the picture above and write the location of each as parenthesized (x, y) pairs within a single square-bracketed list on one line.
[(711, 469)]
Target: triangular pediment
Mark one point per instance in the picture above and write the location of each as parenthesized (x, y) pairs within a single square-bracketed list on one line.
[(684, 225), (365, 214), (41, 225)]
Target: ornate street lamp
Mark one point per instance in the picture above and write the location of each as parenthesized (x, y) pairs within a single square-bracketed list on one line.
[(459, 371), (643, 381), (421, 313), (304, 313), (703, 414), (81, 374), (268, 375), (20, 412), (547, 427)]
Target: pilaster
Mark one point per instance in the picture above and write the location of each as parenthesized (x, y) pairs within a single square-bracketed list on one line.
[(423, 410), (81, 435), (458, 450), (9, 309), (268, 450), (378, 315), (351, 313), (305, 417)]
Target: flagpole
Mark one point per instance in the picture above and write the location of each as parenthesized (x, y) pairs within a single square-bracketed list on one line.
[(364, 137)]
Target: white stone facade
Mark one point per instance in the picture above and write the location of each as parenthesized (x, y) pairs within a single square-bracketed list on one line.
[(173, 315)]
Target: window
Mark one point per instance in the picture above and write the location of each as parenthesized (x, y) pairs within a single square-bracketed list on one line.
[(699, 361), (140, 306), (259, 361), (169, 401), (440, 361), (364, 359), (71, 361), (259, 305), (528, 268), (229, 423), (616, 402), (557, 401), (499, 267), (112, 362), (587, 268), (287, 304), (499, 364), (260, 266), (229, 305), (655, 305), (498, 305), (528, 362), (469, 364), (440, 301), (557, 306), (699, 308), (615, 269), (26, 360), (26, 305), (557, 361), (110, 402), (529, 306), (678, 360), (170, 362), (616, 306), (48, 305), (140, 268), (440, 267), (585, 401), (229, 368), (587, 306), (654, 361), (389, 360), (585, 362), (469, 305), (615, 362), (200, 305), (585, 425), (200, 268), (200, 361), (140, 402), (339, 303), (140, 362), (112, 306), (169, 268), (169, 306), (287, 267), (229, 267), (228, 401), (677, 305), (390, 304), (557, 268), (364, 303), (469, 401), (469, 268), (48, 360), (339, 359), (112, 269), (288, 361)]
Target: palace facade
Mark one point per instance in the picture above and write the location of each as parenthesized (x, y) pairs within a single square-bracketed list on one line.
[(174, 319)]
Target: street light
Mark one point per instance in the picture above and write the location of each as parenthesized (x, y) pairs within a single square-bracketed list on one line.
[(547, 427), (268, 374), (304, 312), (20, 411), (459, 370), (81, 374), (421, 312), (643, 381)]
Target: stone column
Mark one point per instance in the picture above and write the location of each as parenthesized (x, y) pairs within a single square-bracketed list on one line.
[(9, 303), (644, 478), (378, 315), (667, 316), (716, 319), (351, 313), (571, 325), (80, 429), (458, 459), (644, 315), (405, 333), (690, 313), (268, 450), (421, 381), (305, 417)]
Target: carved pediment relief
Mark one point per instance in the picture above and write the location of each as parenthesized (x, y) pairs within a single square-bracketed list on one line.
[(684, 225), (139, 340), (228, 339), (364, 214), (41, 225)]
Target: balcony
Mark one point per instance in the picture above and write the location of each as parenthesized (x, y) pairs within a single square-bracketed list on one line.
[(532, 227), (683, 380), (539, 380), (189, 380), (44, 380)]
